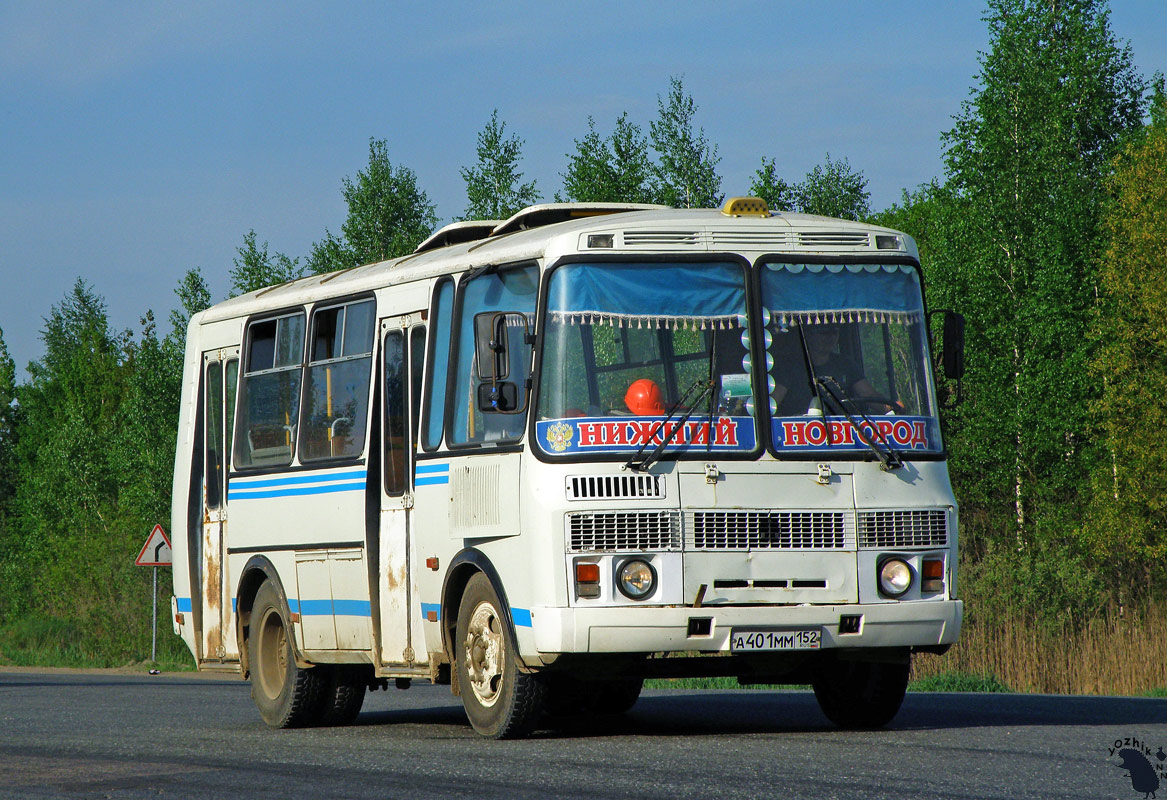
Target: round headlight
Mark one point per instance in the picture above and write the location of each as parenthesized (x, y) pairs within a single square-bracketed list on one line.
[(895, 577), (636, 579)]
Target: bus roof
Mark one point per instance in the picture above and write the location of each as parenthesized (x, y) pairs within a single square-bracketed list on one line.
[(551, 231)]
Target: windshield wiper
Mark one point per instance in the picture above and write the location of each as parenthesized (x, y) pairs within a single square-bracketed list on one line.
[(637, 464), (889, 457)]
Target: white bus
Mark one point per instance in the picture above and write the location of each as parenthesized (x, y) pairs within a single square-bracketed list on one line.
[(542, 459)]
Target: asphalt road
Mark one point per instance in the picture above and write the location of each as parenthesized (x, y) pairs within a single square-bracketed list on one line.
[(174, 736)]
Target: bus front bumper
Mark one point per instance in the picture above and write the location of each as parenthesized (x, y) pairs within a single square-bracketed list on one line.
[(926, 623)]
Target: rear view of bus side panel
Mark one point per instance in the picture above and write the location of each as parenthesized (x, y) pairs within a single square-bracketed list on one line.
[(186, 494)]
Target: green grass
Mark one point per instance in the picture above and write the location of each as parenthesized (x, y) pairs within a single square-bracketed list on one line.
[(958, 682), (1159, 692), (36, 641)]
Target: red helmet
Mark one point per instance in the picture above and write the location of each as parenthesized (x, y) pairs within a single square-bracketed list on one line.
[(643, 398)]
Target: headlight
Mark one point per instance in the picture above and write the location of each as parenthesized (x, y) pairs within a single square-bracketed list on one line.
[(895, 577), (636, 579)]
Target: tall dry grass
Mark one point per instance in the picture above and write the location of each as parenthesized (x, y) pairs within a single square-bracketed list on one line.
[(1111, 654)]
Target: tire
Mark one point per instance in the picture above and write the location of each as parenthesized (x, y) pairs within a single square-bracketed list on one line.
[(861, 694), (287, 696), (500, 701), (342, 694)]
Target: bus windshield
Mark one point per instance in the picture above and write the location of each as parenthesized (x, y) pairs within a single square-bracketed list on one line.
[(847, 350), (629, 353)]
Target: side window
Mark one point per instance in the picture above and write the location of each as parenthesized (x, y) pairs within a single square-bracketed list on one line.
[(510, 290), (396, 414), (336, 400), (416, 362), (270, 392), (213, 434), (435, 388)]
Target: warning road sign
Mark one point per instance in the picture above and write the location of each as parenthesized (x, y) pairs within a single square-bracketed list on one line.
[(156, 551)]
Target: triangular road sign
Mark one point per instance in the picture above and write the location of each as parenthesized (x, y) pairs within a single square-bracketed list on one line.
[(156, 551)]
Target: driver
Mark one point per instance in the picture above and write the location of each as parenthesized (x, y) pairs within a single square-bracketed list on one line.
[(822, 342)]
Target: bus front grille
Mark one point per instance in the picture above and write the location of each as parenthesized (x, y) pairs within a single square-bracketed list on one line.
[(766, 530), (614, 487), (922, 528), (639, 530)]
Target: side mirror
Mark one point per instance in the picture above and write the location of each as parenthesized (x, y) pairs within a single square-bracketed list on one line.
[(500, 397), (952, 354), (498, 335)]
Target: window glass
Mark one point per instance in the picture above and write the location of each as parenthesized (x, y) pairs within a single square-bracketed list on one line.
[(261, 348), (232, 388), (435, 390), (416, 362), (396, 414), (336, 400), (511, 290), (848, 357), (270, 390), (290, 341), (327, 328), (626, 343), (213, 462), (358, 328)]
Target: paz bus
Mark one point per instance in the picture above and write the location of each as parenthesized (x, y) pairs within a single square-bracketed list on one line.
[(544, 458)]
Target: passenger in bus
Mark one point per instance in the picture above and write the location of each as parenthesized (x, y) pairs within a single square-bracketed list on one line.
[(794, 395)]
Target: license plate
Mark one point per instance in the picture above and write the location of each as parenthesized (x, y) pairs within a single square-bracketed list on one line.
[(762, 640)]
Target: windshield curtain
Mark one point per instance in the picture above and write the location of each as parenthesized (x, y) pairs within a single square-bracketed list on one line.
[(861, 327), (625, 343)]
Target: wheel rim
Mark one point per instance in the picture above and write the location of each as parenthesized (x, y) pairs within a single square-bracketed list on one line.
[(484, 654), (273, 654)]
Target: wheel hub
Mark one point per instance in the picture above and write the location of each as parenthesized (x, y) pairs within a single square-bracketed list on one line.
[(484, 654)]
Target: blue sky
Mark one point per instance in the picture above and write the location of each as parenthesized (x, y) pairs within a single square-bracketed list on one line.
[(138, 140)]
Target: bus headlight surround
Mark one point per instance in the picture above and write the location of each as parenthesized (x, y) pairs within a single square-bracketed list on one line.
[(895, 577), (636, 579)]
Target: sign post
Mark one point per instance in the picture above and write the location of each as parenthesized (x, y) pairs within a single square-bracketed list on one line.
[(155, 553)]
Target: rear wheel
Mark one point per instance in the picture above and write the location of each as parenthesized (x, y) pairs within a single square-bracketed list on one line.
[(342, 694), (287, 696), (861, 694), (500, 701)]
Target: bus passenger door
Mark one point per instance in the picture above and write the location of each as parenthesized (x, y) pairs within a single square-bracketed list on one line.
[(220, 380), (402, 355)]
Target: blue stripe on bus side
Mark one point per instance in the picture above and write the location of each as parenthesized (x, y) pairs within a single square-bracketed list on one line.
[(244, 493), (327, 608), (184, 606), (422, 469), (522, 617), (426, 608), (431, 480), (291, 480)]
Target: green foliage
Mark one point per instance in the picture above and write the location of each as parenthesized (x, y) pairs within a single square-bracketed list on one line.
[(7, 425), (832, 189), (766, 184), (958, 682), (494, 187), (1025, 163), (388, 216), (613, 170), (686, 168), (1127, 525), (255, 268)]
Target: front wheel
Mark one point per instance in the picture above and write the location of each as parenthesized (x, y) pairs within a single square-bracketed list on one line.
[(287, 696), (500, 701), (861, 694)]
